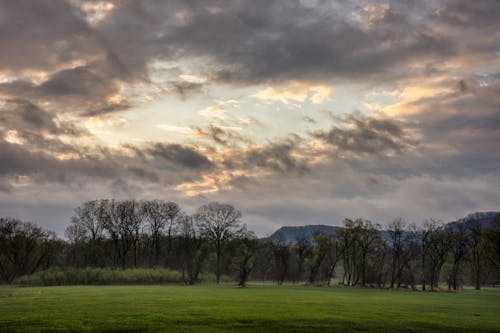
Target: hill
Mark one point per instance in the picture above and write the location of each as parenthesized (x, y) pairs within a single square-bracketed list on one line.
[(484, 218), (290, 234)]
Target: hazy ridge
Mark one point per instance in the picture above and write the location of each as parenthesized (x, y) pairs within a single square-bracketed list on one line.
[(290, 234)]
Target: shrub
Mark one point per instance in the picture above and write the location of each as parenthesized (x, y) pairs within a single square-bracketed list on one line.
[(100, 276)]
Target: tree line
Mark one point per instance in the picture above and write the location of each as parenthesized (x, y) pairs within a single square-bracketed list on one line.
[(148, 234)]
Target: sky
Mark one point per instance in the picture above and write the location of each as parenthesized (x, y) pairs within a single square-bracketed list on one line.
[(296, 112)]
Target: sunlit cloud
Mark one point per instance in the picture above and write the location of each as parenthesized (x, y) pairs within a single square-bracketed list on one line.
[(219, 110), (193, 78), (96, 11), (12, 136), (177, 129), (296, 92)]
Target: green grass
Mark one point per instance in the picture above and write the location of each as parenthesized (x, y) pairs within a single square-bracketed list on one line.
[(260, 308)]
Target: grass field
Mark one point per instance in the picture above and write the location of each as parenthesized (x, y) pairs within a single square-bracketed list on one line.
[(259, 308)]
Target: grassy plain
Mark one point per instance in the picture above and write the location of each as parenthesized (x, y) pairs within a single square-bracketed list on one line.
[(259, 308)]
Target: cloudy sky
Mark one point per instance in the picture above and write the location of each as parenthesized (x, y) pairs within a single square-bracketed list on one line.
[(296, 112)]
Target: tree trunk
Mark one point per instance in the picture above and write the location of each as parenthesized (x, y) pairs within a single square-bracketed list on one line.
[(218, 268)]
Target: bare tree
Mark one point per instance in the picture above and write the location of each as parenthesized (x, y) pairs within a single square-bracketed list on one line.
[(119, 223), (302, 250), (410, 257), (76, 232), (319, 252), (492, 248), (87, 229), (460, 247), (396, 230), (438, 250), (171, 211), (156, 222), (23, 248), (348, 240), (193, 249), (430, 227), (477, 248), (135, 221), (333, 256), (368, 239), (357, 239), (89, 216), (281, 257), (161, 215), (219, 222), (245, 258)]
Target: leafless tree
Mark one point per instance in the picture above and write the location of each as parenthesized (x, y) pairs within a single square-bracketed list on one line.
[(333, 256), (156, 222), (171, 211), (119, 223), (219, 222), (319, 252), (135, 220), (438, 248), (492, 248), (368, 240), (193, 249), (161, 215), (411, 253), (357, 239), (460, 248), (425, 237), (23, 248), (348, 240), (89, 216), (477, 249), (245, 258), (302, 251), (281, 258), (396, 231)]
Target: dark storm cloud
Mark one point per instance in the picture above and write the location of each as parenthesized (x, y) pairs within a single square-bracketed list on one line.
[(30, 120), (52, 38), (238, 41), (473, 107), (361, 134), (458, 133), (42, 35), (276, 156), (79, 81), (262, 41), (45, 35), (151, 162), (23, 115), (76, 90), (480, 13), (180, 155)]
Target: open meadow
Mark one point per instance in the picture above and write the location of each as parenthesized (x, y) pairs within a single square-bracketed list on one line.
[(259, 308)]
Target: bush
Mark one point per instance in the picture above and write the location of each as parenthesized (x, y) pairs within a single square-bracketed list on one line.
[(100, 276)]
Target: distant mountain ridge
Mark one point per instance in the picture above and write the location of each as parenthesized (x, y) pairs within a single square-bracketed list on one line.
[(485, 218), (290, 234)]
